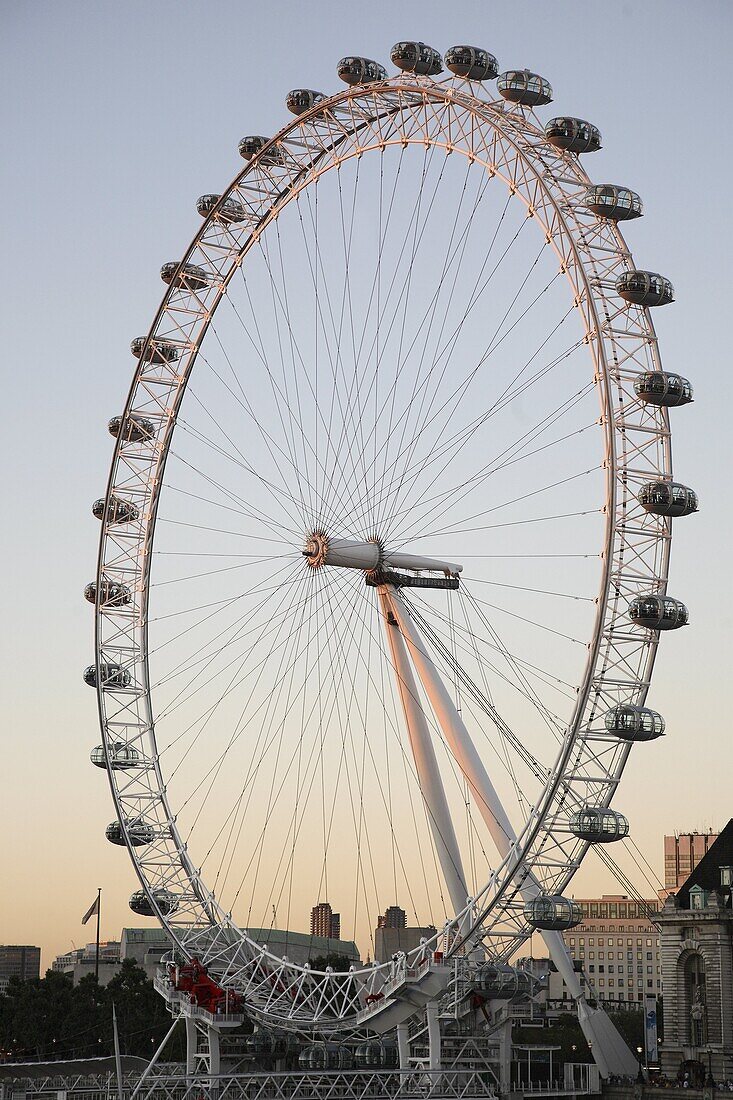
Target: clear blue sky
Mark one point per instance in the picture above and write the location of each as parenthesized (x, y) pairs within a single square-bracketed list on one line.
[(115, 117)]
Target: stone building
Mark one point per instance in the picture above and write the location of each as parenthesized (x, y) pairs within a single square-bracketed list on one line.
[(696, 929)]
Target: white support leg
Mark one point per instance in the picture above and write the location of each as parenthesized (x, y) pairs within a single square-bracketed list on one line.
[(609, 1050), (191, 1046), (426, 764), (434, 1051), (403, 1045)]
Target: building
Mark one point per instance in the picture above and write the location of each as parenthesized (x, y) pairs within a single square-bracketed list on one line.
[(19, 961), (324, 922), (682, 853), (394, 917), (82, 961), (696, 927), (391, 939), (617, 946), (145, 946), (301, 948)]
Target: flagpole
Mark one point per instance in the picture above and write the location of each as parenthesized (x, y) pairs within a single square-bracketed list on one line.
[(96, 953)]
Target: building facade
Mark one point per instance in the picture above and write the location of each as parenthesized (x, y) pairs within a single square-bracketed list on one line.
[(682, 853), (696, 927), (393, 917), (19, 961), (324, 922), (617, 948)]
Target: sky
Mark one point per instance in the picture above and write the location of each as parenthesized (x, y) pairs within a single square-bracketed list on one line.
[(115, 117)]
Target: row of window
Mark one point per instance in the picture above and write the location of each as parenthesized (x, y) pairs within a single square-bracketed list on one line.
[(609, 942), (616, 910), (619, 969), (611, 981)]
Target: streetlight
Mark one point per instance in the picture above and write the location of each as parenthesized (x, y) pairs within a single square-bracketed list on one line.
[(640, 1074), (710, 1083)]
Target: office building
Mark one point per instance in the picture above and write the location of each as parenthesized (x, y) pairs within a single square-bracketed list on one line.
[(19, 961), (682, 853), (394, 917), (617, 946), (324, 922)]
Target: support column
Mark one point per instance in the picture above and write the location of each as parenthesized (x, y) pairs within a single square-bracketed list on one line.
[(431, 1017), (426, 764), (191, 1046), (609, 1050), (403, 1045), (505, 1057)]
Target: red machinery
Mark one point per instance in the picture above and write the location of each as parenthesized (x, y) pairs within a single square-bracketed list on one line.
[(192, 978)]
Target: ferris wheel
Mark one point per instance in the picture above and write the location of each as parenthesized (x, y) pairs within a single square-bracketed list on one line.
[(385, 541)]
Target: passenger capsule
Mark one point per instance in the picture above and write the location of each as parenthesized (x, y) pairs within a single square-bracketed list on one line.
[(615, 204), (184, 276), (157, 351), (631, 723), (320, 1056), (229, 212), (360, 70), (416, 57), (138, 833), (660, 388), (377, 1054), (501, 982), (253, 145), (301, 100), (574, 135), (658, 612), (598, 825), (111, 593), (522, 86), (113, 676), (121, 757), (552, 913), (471, 62), (117, 511), (667, 498), (166, 901), (644, 288), (135, 429)]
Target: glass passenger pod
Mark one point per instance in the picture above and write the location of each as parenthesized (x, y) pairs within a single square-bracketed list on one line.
[(598, 825), (499, 981), (360, 70), (658, 612), (301, 100), (111, 594), (166, 901), (138, 833), (471, 62), (644, 288), (616, 204), (552, 913), (135, 429), (113, 676), (121, 757), (320, 1056), (118, 510), (229, 212), (522, 86), (632, 723), (416, 57), (574, 135), (660, 388), (376, 1054), (252, 146), (184, 276), (157, 351), (668, 498)]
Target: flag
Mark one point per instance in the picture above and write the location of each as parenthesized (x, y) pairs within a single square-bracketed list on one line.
[(93, 908)]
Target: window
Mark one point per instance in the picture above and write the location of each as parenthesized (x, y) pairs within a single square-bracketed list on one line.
[(581, 941), (571, 941), (619, 943), (610, 981), (610, 954), (601, 969), (649, 970), (591, 954), (649, 956), (591, 942), (650, 983), (610, 969), (592, 968), (649, 943), (621, 981)]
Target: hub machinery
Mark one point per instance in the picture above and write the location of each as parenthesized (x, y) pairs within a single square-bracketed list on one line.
[(384, 548)]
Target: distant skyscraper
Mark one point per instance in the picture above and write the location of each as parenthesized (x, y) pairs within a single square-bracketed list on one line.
[(324, 922), (20, 962), (682, 853), (393, 918)]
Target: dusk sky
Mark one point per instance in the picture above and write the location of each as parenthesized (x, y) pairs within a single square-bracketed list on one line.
[(116, 117)]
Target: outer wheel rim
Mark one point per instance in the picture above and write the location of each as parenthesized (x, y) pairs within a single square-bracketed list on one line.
[(518, 129)]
